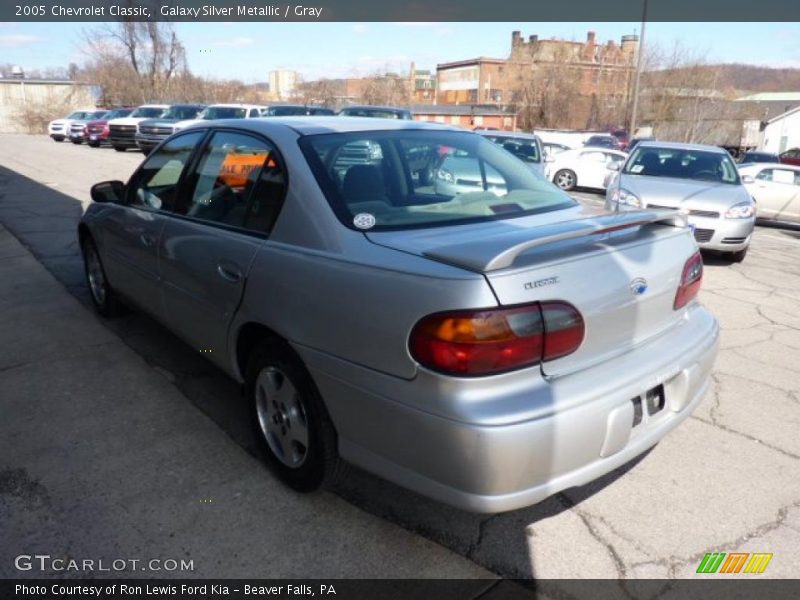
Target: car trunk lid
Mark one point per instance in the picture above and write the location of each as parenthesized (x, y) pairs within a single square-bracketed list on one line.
[(620, 270)]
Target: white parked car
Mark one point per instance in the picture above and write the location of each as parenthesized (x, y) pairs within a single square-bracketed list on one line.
[(776, 189), (59, 129), (224, 111), (584, 167)]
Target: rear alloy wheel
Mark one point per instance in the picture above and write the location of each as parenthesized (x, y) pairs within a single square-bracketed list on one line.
[(103, 297), (738, 257), (566, 179), (290, 420)]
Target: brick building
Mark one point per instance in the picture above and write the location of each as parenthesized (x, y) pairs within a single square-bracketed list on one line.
[(600, 76)]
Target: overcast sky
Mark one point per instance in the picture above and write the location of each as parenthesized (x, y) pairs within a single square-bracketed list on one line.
[(248, 51)]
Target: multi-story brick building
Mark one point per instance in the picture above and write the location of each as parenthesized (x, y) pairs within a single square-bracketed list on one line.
[(598, 76)]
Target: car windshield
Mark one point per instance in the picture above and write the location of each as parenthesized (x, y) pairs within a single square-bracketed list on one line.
[(98, 114), (147, 112), (118, 113), (223, 112), (682, 164), (286, 111), (384, 180), (524, 149), (180, 112), (78, 114), (375, 113)]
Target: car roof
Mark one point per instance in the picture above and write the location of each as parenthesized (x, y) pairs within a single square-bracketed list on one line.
[(234, 105), (508, 134), (311, 125), (679, 146), (371, 107)]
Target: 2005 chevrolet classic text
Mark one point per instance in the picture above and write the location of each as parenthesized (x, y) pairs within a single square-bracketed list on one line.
[(487, 343)]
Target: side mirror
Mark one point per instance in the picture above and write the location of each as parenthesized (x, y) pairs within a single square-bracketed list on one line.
[(108, 191), (614, 166), (748, 179)]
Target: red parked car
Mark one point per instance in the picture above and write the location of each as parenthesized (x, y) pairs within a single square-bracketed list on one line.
[(96, 132), (791, 156)]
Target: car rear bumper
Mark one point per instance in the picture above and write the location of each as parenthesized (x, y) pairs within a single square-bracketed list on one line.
[(519, 438), (724, 235)]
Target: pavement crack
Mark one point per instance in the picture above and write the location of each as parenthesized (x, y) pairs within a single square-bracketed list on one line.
[(760, 531), (747, 436)]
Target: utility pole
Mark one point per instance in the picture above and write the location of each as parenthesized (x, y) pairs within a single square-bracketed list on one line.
[(640, 54)]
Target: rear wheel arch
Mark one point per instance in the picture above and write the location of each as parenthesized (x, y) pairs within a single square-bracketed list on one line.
[(248, 338)]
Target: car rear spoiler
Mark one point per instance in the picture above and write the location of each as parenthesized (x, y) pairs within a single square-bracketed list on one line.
[(499, 251)]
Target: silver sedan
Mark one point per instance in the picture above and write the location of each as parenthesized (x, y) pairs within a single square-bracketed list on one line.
[(486, 345), (700, 181)]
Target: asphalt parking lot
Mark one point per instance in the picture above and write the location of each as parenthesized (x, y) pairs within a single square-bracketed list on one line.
[(727, 480)]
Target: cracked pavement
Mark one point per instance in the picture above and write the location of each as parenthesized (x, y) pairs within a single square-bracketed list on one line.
[(727, 480)]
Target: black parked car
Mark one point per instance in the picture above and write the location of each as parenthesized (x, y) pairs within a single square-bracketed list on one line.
[(758, 157), (603, 141), (297, 110), (378, 112)]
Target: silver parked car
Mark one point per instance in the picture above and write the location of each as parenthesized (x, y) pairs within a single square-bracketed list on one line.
[(525, 146), (485, 348), (701, 181)]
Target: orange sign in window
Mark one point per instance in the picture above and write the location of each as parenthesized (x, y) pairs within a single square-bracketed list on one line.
[(237, 167)]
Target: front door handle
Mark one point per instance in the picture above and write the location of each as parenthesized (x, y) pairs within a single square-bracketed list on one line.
[(229, 272)]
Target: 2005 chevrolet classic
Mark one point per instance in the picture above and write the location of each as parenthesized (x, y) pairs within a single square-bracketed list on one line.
[(482, 339)]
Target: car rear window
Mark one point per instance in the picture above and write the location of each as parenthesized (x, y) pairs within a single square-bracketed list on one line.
[(405, 179)]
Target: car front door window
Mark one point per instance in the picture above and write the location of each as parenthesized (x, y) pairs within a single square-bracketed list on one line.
[(155, 185)]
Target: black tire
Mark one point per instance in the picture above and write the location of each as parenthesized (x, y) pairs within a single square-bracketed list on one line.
[(76, 142), (120, 148), (566, 179), (93, 144), (106, 303), (320, 465), (737, 257), (58, 139)]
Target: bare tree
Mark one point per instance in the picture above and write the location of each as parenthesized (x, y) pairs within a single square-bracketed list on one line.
[(323, 92), (386, 89), (684, 100), (136, 62)]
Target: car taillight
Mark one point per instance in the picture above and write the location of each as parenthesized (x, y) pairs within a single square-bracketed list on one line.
[(691, 277), (484, 342)]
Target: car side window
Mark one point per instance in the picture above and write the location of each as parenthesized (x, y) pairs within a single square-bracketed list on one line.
[(155, 184), (254, 113), (238, 181)]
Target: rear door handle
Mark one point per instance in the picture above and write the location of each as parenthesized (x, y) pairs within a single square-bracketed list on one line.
[(229, 272)]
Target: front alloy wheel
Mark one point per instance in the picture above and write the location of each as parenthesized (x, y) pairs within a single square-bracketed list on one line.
[(103, 296)]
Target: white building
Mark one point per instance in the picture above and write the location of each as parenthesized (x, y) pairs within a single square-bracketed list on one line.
[(782, 132), (282, 82)]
